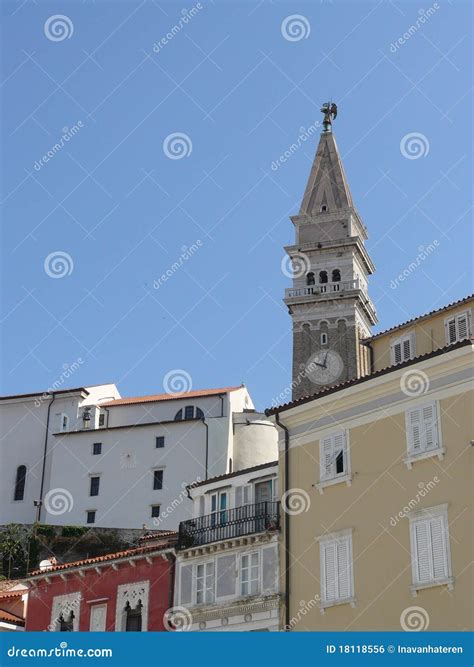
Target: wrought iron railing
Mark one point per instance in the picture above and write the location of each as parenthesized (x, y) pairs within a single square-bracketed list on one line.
[(229, 523)]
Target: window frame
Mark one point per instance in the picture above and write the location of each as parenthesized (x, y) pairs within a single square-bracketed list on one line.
[(153, 507), (94, 512), (400, 340), (337, 478), (155, 478), (94, 445), (427, 515), (91, 478), (249, 568), (20, 483), (159, 439), (206, 565), (454, 318), (337, 538), (411, 455)]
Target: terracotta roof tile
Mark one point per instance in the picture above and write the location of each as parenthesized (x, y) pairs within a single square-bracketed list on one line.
[(153, 398), (8, 595), (8, 617)]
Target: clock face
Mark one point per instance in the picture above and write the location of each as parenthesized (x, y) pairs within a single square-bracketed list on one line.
[(324, 367)]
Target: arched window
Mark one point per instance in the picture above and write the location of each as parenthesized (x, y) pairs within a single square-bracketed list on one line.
[(190, 412), (20, 483), (310, 278), (324, 208), (66, 623), (336, 276), (324, 339), (199, 413), (179, 415), (133, 620), (323, 277)]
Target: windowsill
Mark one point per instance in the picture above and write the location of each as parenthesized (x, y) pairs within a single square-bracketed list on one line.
[(335, 480), (333, 603), (413, 458), (449, 582)]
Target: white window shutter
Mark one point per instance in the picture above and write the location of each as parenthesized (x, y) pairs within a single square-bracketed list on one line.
[(247, 494), (275, 489), (226, 576), (397, 353), (186, 584), (269, 570), (343, 569), (451, 330), (340, 445), (462, 326), (238, 496), (413, 420), (406, 349), (430, 431), (422, 551), (438, 547), (329, 571), (326, 457)]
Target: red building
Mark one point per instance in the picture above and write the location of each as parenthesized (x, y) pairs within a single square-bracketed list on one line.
[(125, 591)]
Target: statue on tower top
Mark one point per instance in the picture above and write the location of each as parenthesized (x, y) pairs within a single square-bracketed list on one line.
[(329, 109)]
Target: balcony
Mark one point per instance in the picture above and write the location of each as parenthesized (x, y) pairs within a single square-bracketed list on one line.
[(322, 288), (227, 524)]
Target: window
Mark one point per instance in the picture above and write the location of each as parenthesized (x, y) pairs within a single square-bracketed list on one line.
[(324, 208), (218, 507), (157, 479), (178, 416), (20, 482), (91, 516), (97, 448), (160, 441), (205, 583), (250, 574), (403, 348), (457, 327), (430, 553), (310, 279), (199, 413), (66, 622), (336, 276), (323, 277), (94, 488), (324, 339), (155, 511), (333, 456), (337, 585), (101, 419), (189, 412), (422, 430), (133, 617), (64, 422)]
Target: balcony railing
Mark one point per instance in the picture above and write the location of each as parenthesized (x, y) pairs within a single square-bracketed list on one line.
[(322, 288), (229, 523)]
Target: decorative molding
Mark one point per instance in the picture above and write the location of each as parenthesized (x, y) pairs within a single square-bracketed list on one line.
[(63, 605), (132, 593)]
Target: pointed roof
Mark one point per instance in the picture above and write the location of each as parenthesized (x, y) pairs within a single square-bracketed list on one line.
[(327, 183)]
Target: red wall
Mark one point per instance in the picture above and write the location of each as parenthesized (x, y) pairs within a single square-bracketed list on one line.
[(104, 585)]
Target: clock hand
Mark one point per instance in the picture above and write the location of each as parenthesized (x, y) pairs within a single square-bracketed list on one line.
[(325, 359)]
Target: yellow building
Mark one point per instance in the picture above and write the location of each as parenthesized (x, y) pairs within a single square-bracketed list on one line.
[(377, 482)]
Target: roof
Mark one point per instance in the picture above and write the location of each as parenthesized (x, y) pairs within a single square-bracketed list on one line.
[(159, 534), (97, 431), (8, 617), (48, 392), (229, 475), (420, 317), (366, 378), (154, 398), (9, 595), (128, 553)]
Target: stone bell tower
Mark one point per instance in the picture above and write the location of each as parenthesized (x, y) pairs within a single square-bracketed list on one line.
[(328, 302)]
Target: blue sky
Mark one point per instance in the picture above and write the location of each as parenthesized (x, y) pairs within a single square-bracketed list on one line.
[(122, 210)]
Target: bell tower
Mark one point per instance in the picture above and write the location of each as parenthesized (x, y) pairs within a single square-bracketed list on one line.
[(328, 302)]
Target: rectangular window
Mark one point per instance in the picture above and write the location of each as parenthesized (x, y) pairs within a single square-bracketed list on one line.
[(64, 422), (157, 479), (403, 348), (189, 412), (457, 327), (429, 537), (250, 574), (101, 419), (160, 441), (336, 568), (205, 583), (94, 490), (333, 456), (155, 511), (422, 429), (218, 508), (97, 448), (91, 516)]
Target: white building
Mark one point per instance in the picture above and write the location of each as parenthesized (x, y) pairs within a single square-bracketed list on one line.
[(227, 575), (93, 458)]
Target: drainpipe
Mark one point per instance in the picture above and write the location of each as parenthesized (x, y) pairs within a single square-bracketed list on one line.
[(43, 471), (207, 444), (287, 521)]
